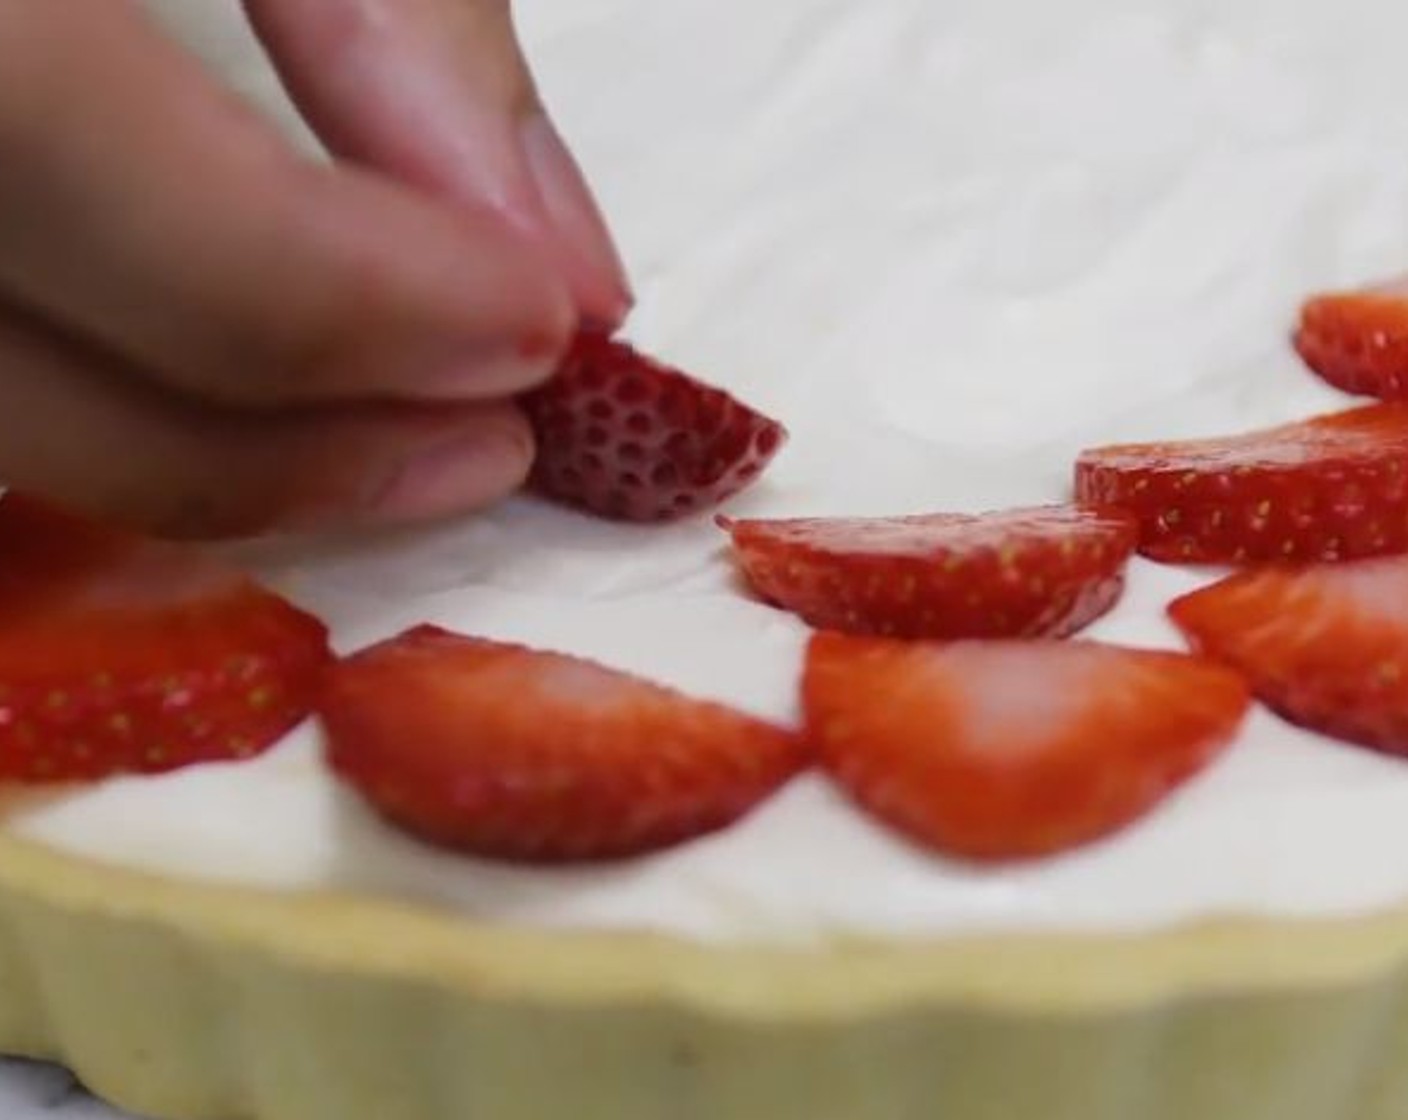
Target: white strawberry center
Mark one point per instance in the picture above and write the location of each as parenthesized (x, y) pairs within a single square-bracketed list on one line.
[(568, 684), (1377, 588), (1016, 699), (917, 537)]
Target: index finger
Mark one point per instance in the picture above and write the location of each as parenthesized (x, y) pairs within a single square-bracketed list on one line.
[(148, 211), (438, 93)]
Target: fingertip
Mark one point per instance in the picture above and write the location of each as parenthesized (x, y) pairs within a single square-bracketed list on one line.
[(464, 471), (520, 361), (398, 465), (575, 229), (420, 301), (553, 319), (605, 311), (196, 471), (384, 467), (438, 95), (518, 309)]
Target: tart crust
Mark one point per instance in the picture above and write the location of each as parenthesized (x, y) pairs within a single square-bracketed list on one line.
[(199, 1002)]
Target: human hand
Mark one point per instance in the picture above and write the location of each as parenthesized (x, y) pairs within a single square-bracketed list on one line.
[(203, 332)]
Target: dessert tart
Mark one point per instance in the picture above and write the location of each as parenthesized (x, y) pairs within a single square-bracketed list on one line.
[(953, 246)]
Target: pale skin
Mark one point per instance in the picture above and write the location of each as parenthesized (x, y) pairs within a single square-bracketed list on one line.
[(204, 332)]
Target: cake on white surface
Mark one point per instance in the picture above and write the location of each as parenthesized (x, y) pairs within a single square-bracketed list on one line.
[(950, 245)]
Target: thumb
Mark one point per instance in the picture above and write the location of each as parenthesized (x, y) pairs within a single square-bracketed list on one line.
[(438, 94)]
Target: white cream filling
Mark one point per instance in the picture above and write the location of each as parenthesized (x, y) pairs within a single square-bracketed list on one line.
[(950, 244)]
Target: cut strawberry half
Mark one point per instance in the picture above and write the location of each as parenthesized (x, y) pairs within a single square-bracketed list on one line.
[(1325, 646), (520, 754), (1024, 573), (1358, 341), (1332, 488), (1005, 750), (623, 436), (119, 654)]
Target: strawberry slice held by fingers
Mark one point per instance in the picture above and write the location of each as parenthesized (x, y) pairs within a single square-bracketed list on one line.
[(1358, 340), (1013, 749), (623, 436), (1048, 571), (1331, 488), (119, 654), (524, 755), (1325, 646)]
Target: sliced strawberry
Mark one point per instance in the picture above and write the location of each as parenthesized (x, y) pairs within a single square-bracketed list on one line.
[(525, 755), (1325, 646), (1332, 488), (1358, 341), (622, 436), (1001, 750), (1024, 573), (118, 654)]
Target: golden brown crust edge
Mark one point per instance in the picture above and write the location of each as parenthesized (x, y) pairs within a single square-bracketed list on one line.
[(199, 1002)]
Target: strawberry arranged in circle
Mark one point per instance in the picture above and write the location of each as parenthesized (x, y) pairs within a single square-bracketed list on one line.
[(119, 654), (1009, 749), (1048, 571), (1358, 340), (624, 437), (1325, 646), (1331, 488), (520, 754)]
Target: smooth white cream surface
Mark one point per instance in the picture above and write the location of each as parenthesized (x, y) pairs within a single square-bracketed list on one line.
[(950, 243)]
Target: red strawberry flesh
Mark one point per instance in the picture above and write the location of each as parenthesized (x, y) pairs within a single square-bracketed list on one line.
[(519, 754), (122, 655), (623, 436), (1358, 340), (1331, 488), (1325, 646), (1048, 571), (1008, 750)]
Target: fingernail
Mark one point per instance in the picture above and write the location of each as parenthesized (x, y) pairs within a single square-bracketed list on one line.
[(576, 219), (457, 476)]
